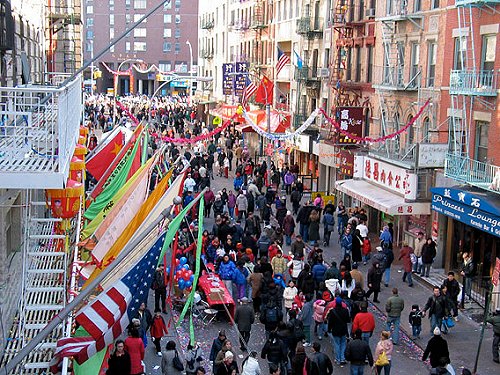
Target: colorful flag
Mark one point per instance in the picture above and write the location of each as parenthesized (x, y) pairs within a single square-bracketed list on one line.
[(249, 90), (283, 60), (99, 162), (300, 62), (107, 316), (265, 93)]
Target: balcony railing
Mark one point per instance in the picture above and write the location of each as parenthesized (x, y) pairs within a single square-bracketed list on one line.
[(473, 82), (207, 24), (299, 119), (475, 2), (472, 172), (303, 25), (38, 133), (207, 54), (393, 78)]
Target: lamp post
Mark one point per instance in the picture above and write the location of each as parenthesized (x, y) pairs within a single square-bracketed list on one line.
[(190, 71), (115, 85)]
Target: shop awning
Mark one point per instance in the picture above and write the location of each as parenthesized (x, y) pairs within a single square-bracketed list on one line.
[(280, 121), (381, 199)]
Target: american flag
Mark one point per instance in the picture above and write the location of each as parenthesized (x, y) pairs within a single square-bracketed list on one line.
[(249, 90), (110, 313), (283, 60)]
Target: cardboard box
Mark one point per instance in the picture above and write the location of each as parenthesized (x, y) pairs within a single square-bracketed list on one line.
[(216, 295)]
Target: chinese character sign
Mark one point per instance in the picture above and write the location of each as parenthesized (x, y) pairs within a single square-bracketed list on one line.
[(346, 162), (350, 120), (240, 80), (227, 79)]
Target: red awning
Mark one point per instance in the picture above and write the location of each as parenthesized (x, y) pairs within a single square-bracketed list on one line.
[(280, 121)]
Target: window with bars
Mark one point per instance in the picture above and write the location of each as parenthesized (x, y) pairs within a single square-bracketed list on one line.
[(140, 4)]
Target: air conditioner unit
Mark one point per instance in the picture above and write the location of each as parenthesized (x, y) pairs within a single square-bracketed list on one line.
[(370, 13), (323, 73)]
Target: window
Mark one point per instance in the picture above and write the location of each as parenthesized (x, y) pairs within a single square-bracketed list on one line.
[(90, 34), (167, 5), (481, 153), (297, 8), (415, 58), (177, 18), (326, 61), (127, 3), (127, 18), (140, 46), (177, 33), (361, 10), (460, 48), (140, 32), (112, 49), (111, 33), (90, 22), (90, 9), (177, 4), (417, 5), (167, 33), (88, 47), (425, 130), (140, 4), (431, 67), (348, 64), (111, 20), (165, 66), (357, 78), (177, 47), (488, 52), (127, 46), (111, 2), (137, 17), (167, 46), (167, 18), (369, 63), (181, 67), (435, 4)]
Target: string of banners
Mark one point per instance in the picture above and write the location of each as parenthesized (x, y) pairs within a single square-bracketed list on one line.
[(198, 138)]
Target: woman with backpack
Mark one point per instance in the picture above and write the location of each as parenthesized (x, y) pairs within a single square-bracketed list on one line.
[(193, 359)]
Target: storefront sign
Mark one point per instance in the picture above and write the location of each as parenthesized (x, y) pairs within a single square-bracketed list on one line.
[(303, 143), (466, 212), (227, 79), (346, 162), (432, 155), (240, 80), (391, 177), (350, 120)]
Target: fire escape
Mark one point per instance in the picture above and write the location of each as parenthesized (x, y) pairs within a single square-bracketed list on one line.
[(393, 78), (64, 32), (260, 27), (470, 84)]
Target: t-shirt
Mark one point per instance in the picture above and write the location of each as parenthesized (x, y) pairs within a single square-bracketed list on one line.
[(363, 230)]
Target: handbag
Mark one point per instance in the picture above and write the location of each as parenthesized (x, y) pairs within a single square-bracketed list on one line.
[(449, 322), (382, 359), (176, 362)]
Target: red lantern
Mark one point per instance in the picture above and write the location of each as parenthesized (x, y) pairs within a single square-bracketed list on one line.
[(80, 151), (65, 203), (77, 169), (82, 140), (84, 131)]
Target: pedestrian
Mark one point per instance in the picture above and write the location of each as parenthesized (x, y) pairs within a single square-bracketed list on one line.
[(146, 319), (419, 244), (328, 226), (274, 351), (415, 320), (251, 365), (244, 317), (306, 316), (468, 272), (193, 359), (319, 324), (386, 237), (428, 255), (374, 279), (279, 263), (318, 363), (338, 319), (394, 307), (453, 289), (158, 330), (303, 219), (134, 346), (289, 295), (342, 217), (270, 316), (364, 321), (313, 229), (242, 205), (228, 365), (298, 360), (436, 305), (288, 228), (357, 276), (160, 288), (217, 346), (231, 203), (383, 353), (388, 259), (226, 271), (494, 320), (119, 361), (223, 355), (436, 348), (297, 248), (296, 329), (358, 352), (295, 198), (346, 241), (405, 254)]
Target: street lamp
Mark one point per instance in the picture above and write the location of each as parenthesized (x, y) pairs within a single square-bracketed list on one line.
[(190, 71), (115, 85)]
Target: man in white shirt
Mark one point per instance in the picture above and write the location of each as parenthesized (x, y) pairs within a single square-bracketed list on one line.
[(363, 229), (189, 183)]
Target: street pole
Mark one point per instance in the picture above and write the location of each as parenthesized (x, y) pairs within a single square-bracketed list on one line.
[(115, 84), (190, 71)]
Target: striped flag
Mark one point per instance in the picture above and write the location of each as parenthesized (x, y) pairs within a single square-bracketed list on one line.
[(249, 90), (283, 60)]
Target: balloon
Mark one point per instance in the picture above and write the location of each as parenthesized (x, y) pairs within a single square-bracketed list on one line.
[(185, 276), (178, 274), (190, 273), (179, 267), (177, 262), (183, 260), (188, 283), (181, 284), (191, 278), (168, 270), (185, 266)]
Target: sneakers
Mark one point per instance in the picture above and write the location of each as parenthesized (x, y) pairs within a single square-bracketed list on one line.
[(307, 344), (159, 354), (456, 318)]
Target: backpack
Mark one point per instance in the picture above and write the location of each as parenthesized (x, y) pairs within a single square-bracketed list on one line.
[(298, 330), (272, 314)]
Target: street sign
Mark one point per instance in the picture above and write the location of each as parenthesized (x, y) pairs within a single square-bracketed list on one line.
[(496, 272)]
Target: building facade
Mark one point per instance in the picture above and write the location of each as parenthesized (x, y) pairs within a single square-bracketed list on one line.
[(155, 49)]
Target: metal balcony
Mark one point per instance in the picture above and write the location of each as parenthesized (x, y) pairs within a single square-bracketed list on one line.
[(393, 78), (472, 172), (475, 2), (473, 82), (207, 54), (38, 133), (207, 24), (303, 25), (299, 119)]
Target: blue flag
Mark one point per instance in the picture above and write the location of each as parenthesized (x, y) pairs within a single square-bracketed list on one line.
[(300, 62)]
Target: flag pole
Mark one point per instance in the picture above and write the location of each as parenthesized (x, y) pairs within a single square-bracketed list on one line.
[(61, 316)]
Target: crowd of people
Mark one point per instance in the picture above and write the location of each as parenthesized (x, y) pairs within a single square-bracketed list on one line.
[(298, 297)]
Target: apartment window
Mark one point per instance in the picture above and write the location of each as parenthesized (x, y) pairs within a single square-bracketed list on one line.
[(90, 34), (140, 4), (358, 64), (348, 64), (90, 9), (167, 18), (425, 130), (326, 61), (369, 63), (390, 7), (488, 52), (481, 152), (165, 66), (111, 33), (177, 18), (167, 5), (435, 4), (111, 20), (290, 10), (415, 58), (167, 33), (138, 16), (111, 2), (177, 4), (361, 10), (128, 17), (140, 32), (417, 5), (460, 50), (127, 46), (181, 67), (351, 10), (127, 3), (297, 8), (177, 47), (88, 47), (167, 46), (90, 22), (431, 68), (177, 33), (112, 49), (140, 46), (278, 8)]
